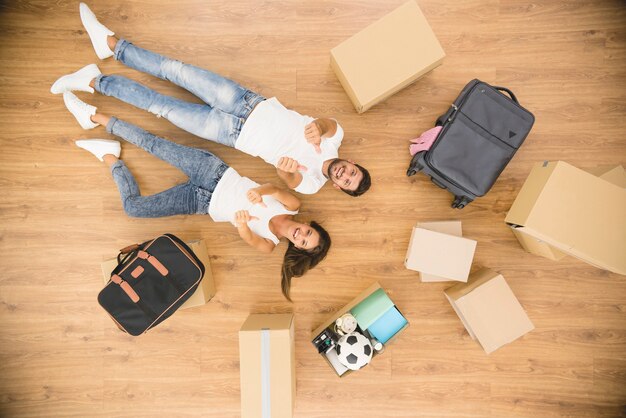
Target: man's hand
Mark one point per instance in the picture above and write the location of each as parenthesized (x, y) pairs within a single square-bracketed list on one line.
[(289, 165), (242, 217), (313, 135), (256, 197)]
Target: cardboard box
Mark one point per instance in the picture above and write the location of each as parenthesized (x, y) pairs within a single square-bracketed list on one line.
[(445, 227), (386, 56), (267, 366), (206, 288), (612, 174), (489, 310), (573, 211), (331, 320), (447, 257), (536, 246)]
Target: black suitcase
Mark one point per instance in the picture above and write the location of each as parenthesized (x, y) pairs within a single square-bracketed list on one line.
[(480, 133), (150, 282)]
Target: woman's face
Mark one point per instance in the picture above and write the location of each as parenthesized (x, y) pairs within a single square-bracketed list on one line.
[(303, 236)]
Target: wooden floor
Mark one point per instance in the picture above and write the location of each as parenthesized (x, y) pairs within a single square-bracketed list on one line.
[(60, 215)]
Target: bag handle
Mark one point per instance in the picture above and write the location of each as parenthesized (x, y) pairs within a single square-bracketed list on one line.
[(126, 252), (438, 184), (510, 93)]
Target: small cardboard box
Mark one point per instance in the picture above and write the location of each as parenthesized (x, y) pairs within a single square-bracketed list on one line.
[(448, 257), (206, 288), (489, 310), (267, 365), (574, 212), (330, 321), (386, 56), (445, 227)]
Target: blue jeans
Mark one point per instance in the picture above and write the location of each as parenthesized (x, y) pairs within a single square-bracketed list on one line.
[(193, 197), (227, 104)]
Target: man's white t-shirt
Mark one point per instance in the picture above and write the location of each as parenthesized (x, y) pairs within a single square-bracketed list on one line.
[(230, 196), (272, 131)]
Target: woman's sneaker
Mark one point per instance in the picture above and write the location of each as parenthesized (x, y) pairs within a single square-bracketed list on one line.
[(78, 80), (81, 110), (100, 147), (97, 32)]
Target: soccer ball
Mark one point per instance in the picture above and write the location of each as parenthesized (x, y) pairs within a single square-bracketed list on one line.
[(354, 351)]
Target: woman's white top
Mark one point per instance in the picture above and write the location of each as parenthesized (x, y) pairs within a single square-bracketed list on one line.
[(230, 196)]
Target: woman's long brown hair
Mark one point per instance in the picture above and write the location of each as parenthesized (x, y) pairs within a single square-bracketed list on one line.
[(298, 261)]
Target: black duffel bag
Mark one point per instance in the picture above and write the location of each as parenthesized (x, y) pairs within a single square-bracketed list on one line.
[(480, 133), (151, 281)]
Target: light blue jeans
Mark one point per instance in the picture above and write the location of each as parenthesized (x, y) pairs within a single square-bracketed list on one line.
[(227, 104), (193, 197)]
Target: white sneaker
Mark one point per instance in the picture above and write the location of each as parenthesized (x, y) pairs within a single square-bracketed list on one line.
[(97, 32), (100, 147), (81, 110), (78, 80)]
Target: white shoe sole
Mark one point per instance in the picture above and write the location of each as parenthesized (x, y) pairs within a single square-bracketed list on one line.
[(97, 32), (100, 147), (78, 80)]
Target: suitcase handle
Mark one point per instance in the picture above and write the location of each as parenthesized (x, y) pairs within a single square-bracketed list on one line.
[(510, 93)]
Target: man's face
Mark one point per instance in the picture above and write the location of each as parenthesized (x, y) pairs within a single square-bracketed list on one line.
[(344, 174)]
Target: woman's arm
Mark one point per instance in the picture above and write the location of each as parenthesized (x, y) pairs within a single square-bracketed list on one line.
[(242, 218), (289, 201)]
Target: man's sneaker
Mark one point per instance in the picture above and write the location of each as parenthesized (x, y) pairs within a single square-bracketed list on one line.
[(81, 110), (97, 32), (100, 147), (76, 81)]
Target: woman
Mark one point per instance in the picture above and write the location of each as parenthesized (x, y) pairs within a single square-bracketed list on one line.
[(262, 214)]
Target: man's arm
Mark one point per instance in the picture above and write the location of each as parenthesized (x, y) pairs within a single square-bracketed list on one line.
[(288, 170), (319, 129)]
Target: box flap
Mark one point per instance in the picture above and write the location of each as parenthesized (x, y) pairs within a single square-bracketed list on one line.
[(578, 213), (495, 314), (616, 176), (536, 246), (445, 227), (441, 255), (476, 279), (364, 294), (388, 55), (257, 322), (492, 311)]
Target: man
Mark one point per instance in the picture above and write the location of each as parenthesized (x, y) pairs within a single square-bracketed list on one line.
[(303, 150)]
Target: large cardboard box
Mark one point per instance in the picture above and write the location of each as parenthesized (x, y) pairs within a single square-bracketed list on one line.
[(206, 288), (386, 56), (332, 361), (440, 256), (267, 364), (574, 212), (489, 310)]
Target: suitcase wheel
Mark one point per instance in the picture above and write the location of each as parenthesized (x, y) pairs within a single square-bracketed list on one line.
[(460, 202), (414, 166)]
